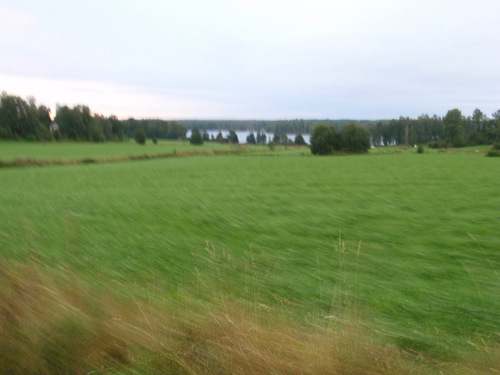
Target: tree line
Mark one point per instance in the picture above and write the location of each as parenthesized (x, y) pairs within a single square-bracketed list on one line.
[(156, 129), (197, 138), (23, 120), (452, 130), (298, 126)]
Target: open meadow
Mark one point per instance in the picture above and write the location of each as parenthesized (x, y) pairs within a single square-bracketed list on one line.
[(22, 153), (261, 262)]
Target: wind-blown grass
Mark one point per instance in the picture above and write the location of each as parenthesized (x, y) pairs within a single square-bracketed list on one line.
[(415, 270), (29, 154), (54, 324), (10, 151)]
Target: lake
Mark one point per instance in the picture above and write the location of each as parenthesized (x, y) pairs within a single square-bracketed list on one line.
[(243, 134)]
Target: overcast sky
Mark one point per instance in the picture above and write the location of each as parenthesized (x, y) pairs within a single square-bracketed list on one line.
[(254, 59)]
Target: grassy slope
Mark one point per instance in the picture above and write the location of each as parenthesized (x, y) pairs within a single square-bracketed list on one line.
[(417, 258)]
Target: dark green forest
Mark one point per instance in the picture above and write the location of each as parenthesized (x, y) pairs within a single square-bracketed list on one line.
[(22, 119), (452, 130), (300, 126)]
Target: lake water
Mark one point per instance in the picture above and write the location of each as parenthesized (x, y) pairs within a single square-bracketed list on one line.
[(243, 134)]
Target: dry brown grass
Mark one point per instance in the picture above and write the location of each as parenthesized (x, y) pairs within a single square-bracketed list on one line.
[(52, 323)]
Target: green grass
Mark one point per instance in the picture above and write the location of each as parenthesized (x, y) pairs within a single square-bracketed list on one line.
[(479, 150), (26, 154), (406, 243), (73, 150)]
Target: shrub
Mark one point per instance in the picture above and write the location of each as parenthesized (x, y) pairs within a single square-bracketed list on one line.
[(220, 138), (354, 138), (420, 149), (251, 139), (140, 136), (155, 140), (323, 139), (196, 138), (495, 150), (299, 140), (233, 137), (493, 153)]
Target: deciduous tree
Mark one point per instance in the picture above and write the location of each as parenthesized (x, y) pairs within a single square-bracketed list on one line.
[(323, 139), (453, 128), (354, 138)]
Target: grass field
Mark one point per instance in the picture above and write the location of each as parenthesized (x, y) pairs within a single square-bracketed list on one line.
[(10, 151), (379, 263)]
